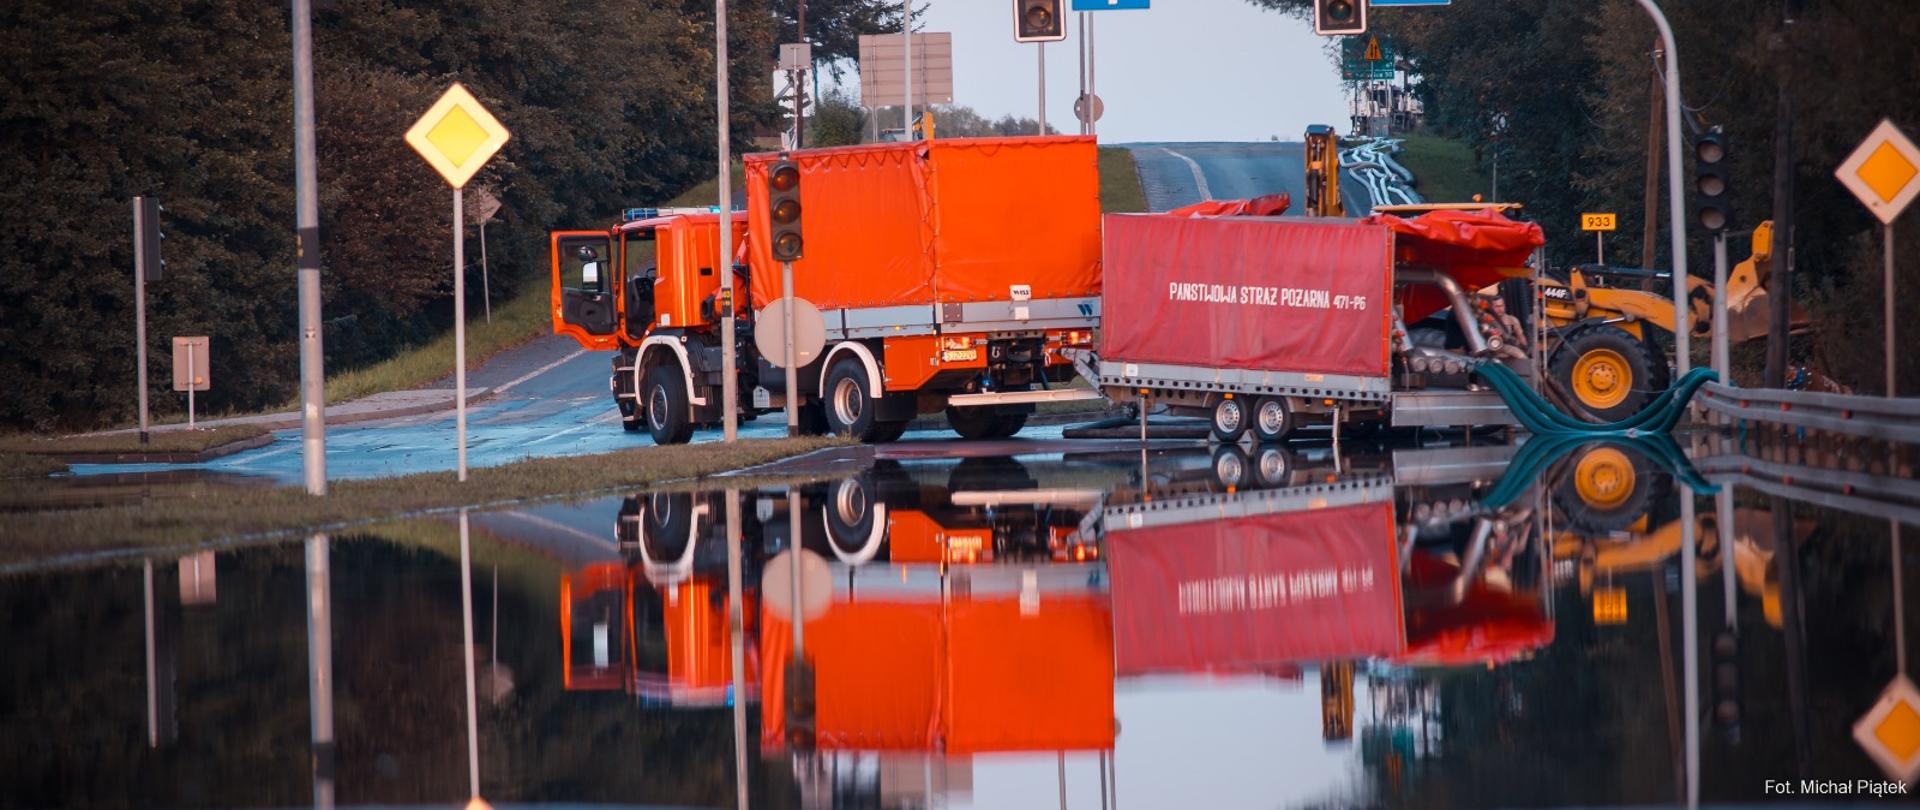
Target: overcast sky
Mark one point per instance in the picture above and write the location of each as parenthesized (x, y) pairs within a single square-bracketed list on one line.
[(1183, 70)]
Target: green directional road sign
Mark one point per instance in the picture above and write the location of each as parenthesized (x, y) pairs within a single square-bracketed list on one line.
[(1366, 58)]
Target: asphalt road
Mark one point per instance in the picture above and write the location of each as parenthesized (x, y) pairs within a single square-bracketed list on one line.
[(1177, 174), (552, 397)]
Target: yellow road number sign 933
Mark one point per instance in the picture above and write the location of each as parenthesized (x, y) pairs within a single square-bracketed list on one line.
[(1596, 222)]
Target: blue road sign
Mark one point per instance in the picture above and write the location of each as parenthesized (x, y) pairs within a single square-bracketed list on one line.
[(1113, 5), (1382, 3)]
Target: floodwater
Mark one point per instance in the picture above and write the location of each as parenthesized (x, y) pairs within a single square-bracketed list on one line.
[(1445, 627)]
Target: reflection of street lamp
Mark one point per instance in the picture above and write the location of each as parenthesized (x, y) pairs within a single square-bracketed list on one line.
[(320, 666), (466, 652)]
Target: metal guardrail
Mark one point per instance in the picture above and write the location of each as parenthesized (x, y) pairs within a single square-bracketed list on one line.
[(1886, 418), (1832, 489)]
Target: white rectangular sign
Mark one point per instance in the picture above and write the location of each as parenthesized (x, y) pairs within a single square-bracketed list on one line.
[(883, 69)]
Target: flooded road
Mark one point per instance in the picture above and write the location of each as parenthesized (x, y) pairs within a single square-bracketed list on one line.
[(1217, 627)]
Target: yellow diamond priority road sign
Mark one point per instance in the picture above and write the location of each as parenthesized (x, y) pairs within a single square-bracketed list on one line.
[(1890, 731), (1884, 172), (457, 136)]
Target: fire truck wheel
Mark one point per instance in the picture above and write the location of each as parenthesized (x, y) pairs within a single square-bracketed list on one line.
[(1607, 371), (1272, 419), (1007, 424), (667, 417), (1230, 419), (849, 404), (974, 423), (889, 431), (850, 515)]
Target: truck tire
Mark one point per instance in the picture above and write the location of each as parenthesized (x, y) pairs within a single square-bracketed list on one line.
[(1230, 419), (850, 513), (629, 421), (667, 417), (889, 431), (975, 422), (849, 404), (1608, 372), (1008, 424), (1273, 467), (1272, 419)]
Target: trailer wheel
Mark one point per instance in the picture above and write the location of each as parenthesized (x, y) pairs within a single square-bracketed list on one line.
[(849, 404), (1607, 371), (667, 417), (1274, 467), (1230, 466), (974, 422), (1272, 419), (1230, 419)]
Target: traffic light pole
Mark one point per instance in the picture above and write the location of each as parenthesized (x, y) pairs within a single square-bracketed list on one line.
[(140, 308), (313, 383), (793, 363), (729, 394), (1041, 48), (1721, 364)]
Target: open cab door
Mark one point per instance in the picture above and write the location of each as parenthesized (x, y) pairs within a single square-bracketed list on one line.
[(586, 288)]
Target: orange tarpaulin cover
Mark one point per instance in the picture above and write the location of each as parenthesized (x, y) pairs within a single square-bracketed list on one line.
[(1476, 248), (947, 220), (1269, 205)]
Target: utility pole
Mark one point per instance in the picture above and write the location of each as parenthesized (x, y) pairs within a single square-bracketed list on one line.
[(729, 395), (1042, 50), (800, 84), (1780, 277), (313, 382), (906, 36)]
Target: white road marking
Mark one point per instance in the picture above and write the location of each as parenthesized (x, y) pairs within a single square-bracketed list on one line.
[(1199, 178), (538, 371), (601, 419)]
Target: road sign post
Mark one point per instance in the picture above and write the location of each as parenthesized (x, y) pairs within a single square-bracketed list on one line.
[(313, 378), (141, 258), (457, 136), (1599, 224), (1884, 173), (729, 353), (190, 369)]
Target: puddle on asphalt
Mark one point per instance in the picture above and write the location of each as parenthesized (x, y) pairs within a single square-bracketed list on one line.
[(1198, 627)]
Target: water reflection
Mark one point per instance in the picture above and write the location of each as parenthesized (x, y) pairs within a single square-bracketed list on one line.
[(1473, 625)]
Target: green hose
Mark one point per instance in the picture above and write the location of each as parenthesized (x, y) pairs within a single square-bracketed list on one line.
[(1544, 450), (1543, 419)]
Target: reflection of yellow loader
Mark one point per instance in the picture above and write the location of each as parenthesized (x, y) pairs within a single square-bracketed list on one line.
[(1639, 548), (1599, 351)]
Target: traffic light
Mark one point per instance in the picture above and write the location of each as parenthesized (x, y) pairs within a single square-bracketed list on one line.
[(148, 211), (1713, 209), (783, 208), (1726, 682), (1038, 21), (1339, 17)]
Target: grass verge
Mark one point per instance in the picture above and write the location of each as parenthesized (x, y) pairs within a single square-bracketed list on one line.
[(1443, 168), (516, 321), (1120, 191), (196, 512), (707, 192), (165, 441), (28, 465)]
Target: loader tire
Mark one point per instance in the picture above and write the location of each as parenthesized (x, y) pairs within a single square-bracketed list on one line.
[(1608, 372)]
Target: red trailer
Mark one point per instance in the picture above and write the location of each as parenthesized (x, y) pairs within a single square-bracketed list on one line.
[(1259, 322), (1249, 320)]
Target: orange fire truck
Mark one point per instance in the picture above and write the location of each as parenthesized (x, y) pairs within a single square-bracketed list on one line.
[(950, 274)]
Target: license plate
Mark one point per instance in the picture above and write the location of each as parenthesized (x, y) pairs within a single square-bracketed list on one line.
[(959, 355)]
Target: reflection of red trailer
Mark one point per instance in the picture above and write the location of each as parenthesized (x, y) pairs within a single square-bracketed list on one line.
[(991, 668), (1484, 626), (1256, 592)]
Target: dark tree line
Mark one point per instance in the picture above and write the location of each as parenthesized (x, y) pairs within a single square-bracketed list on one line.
[(1571, 81), (191, 101)]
